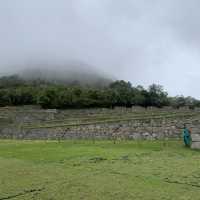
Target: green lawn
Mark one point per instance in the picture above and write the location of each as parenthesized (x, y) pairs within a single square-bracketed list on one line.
[(84, 170)]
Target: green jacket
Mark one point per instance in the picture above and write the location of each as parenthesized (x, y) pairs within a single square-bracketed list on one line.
[(186, 137)]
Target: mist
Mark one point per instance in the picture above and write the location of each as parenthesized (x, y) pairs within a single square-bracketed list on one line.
[(145, 42)]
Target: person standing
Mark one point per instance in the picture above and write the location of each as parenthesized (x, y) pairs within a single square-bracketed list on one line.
[(186, 136)]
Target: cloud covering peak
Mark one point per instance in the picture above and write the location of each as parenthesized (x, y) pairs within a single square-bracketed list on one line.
[(147, 41)]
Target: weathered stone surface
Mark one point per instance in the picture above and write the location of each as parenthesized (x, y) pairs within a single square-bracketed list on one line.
[(195, 145), (195, 137), (133, 129)]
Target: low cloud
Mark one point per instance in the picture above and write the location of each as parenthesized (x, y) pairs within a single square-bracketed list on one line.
[(145, 42)]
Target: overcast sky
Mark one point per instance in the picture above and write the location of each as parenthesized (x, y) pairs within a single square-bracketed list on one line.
[(143, 41)]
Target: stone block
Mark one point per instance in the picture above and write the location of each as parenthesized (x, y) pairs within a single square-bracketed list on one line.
[(195, 145), (195, 137), (195, 130)]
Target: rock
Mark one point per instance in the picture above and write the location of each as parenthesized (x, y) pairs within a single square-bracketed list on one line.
[(195, 137), (195, 145), (132, 129)]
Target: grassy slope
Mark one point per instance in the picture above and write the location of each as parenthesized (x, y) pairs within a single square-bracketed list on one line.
[(83, 170)]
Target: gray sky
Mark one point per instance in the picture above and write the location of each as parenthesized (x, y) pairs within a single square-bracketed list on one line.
[(143, 41)]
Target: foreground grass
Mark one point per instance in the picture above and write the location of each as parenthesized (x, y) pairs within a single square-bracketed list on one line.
[(84, 170)]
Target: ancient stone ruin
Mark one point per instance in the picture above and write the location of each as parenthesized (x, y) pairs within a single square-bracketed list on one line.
[(195, 135), (152, 124), (195, 141)]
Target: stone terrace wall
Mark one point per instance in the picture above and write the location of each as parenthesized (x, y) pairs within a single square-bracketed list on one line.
[(12, 118), (133, 129)]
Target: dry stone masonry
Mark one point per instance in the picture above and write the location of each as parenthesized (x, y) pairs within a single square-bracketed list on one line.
[(195, 135), (150, 127), (133, 129)]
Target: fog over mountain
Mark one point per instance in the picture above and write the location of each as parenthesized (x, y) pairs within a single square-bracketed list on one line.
[(70, 72), (146, 41)]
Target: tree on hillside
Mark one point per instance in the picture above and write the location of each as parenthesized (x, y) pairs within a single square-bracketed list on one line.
[(178, 101), (123, 93), (16, 91), (139, 95), (157, 96)]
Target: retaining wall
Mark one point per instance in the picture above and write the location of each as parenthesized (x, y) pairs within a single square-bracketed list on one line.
[(132, 129)]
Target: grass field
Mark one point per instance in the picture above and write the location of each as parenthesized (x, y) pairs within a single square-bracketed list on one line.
[(147, 170)]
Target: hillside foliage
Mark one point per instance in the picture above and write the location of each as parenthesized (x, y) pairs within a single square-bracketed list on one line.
[(17, 91)]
